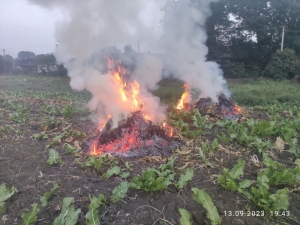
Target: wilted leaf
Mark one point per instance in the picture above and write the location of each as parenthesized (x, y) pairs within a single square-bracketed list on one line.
[(185, 218), (279, 144), (203, 198)]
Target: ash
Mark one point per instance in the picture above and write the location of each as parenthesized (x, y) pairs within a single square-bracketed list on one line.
[(135, 137)]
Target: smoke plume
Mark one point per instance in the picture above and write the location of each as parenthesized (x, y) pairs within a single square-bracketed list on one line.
[(92, 25)]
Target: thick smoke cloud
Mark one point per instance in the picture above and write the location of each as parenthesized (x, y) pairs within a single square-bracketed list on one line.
[(184, 40), (92, 25)]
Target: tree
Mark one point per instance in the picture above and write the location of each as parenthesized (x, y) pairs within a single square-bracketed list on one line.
[(48, 59), (283, 65), (26, 57), (6, 64)]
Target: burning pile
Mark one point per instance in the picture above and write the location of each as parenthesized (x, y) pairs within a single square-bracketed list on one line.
[(135, 136), (225, 107)]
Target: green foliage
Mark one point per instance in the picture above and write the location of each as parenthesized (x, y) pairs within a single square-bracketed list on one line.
[(263, 198), (185, 178), (116, 170), (229, 178), (265, 92), (202, 155), (69, 111), (190, 124), (282, 65), (56, 140), (40, 136), (92, 215), (31, 217), (54, 158), (97, 162), (203, 198), (70, 149), (119, 192), (18, 117), (239, 71), (5, 193), (46, 196), (155, 179), (68, 214), (4, 130), (278, 174), (185, 218)]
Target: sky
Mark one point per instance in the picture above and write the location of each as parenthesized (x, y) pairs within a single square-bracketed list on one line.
[(27, 27)]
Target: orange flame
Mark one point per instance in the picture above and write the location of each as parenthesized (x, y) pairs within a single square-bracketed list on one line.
[(185, 94), (103, 122)]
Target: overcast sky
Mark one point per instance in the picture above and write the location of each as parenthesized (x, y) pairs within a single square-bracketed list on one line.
[(27, 27)]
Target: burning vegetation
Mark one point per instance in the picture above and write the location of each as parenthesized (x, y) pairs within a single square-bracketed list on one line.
[(137, 135)]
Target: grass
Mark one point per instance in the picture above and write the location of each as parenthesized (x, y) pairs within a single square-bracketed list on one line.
[(255, 93), (250, 93)]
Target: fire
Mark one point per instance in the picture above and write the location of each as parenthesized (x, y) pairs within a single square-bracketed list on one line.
[(103, 122), (130, 138), (94, 150), (237, 109), (181, 102), (168, 129)]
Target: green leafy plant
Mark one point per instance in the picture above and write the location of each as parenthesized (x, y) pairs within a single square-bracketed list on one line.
[(31, 217), (155, 179), (202, 155), (203, 198), (119, 192), (46, 196), (40, 136), (263, 198), (68, 214), (92, 215), (54, 158), (5, 193), (56, 140), (185, 178), (18, 117), (229, 178), (116, 170), (70, 149), (185, 218), (278, 174), (4, 130), (97, 162)]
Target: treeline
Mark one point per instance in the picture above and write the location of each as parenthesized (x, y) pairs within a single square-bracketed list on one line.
[(244, 36), (29, 63)]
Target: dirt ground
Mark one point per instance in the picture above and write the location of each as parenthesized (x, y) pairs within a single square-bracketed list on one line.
[(23, 165)]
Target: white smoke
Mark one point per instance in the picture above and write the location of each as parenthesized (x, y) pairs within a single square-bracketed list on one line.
[(91, 25), (184, 40)]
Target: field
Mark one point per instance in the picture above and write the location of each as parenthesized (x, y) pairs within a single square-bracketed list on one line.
[(249, 168)]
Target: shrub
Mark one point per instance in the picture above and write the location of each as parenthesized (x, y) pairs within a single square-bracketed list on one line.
[(283, 64)]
